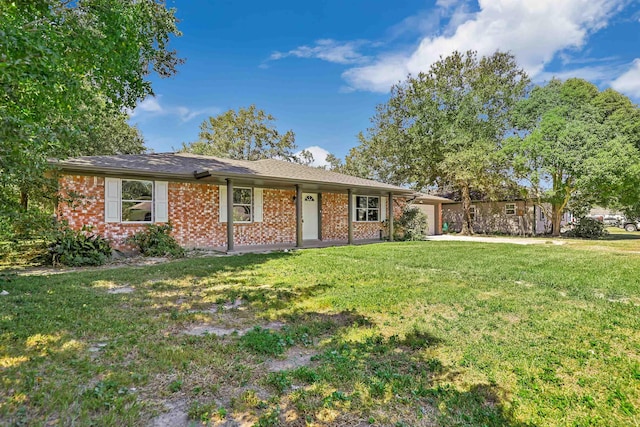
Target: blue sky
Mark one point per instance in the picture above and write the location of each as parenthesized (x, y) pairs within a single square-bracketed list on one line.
[(322, 67)]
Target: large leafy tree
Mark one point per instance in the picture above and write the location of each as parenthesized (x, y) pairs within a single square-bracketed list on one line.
[(67, 71), (577, 146), (445, 126), (247, 134)]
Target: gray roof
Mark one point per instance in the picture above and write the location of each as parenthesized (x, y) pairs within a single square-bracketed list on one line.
[(184, 166), (428, 198)]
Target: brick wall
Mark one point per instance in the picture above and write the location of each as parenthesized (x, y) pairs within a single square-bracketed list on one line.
[(335, 224), (194, 213)]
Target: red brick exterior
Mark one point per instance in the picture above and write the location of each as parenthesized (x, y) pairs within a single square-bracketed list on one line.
[(194, 213)]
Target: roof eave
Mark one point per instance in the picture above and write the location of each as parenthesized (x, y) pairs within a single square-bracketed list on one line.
[(259, 179)]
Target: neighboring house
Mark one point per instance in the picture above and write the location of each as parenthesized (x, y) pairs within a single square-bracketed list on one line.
[(431, 206), (516, 217), (266, 202)]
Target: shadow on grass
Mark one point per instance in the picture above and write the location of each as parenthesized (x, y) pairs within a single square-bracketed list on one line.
[(622, 236), (395, 373), (376, 377)]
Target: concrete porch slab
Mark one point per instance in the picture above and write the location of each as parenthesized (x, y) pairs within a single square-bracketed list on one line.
[(307, 244)]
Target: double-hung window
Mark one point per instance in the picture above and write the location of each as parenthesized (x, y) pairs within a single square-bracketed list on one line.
[(472, 213), (137, 201), (242, 205), (368, 208), (510, 209)]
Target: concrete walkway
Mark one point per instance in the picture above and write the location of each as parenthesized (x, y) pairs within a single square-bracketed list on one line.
[(491, 239)]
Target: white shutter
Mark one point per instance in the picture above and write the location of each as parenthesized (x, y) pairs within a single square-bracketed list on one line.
[(161, 201), (383, 208), (112, 199), (257, 204), (222, 191)]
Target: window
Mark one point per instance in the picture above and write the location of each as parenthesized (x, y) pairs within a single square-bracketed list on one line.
[(242, 205), (472, 213), (137, 201), (542, 217), (368, 208), (510, 209)]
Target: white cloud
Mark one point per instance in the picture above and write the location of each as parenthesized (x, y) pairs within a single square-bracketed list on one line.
[(319, 155), (447, 3), (187, 114), (328, 50), (533, 30), (152, 107), (629, 82), (148, 105)]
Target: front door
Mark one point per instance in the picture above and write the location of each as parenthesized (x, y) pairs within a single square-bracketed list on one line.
[(309, 216)]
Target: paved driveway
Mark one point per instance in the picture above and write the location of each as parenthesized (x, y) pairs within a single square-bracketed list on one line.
[(491, 239)]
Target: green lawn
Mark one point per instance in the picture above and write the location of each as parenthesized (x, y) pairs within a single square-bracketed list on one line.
[(402, 334)]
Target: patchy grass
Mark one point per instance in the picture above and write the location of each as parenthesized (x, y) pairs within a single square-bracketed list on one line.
[(423, 333)]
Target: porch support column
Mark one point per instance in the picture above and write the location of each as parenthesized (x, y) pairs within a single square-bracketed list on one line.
[(390, 216), (298, 216), (229, 216), (320, 216), (350, 217), (438, 219)]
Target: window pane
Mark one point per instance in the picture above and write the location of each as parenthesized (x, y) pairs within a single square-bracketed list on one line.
[(137, 190), (242, 195), (136, 211), (373, 215), (374, 202), (361, 215), (361, 201), (241, 213)]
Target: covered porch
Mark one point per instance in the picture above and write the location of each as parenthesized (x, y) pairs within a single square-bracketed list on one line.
[(307, 244), (307, 199)]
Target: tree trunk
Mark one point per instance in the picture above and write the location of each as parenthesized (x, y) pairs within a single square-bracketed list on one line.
[(467, 221), (24, 199), (556, 219)]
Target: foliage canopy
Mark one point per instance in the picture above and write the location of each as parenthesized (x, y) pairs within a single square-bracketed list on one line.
[(445, 127), (68, 71), (246, 134)]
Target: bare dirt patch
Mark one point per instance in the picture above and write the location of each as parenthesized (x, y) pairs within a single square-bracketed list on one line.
[(201, 330), (121, 290), (175, 416), (97, 347), (295, 357)]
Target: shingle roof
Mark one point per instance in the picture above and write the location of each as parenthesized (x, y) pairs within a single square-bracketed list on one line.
[(184, 165), (422, 197)]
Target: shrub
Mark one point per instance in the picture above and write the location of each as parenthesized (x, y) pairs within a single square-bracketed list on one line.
[(412, 225), (76, 248), (587, 228), (156, 240)]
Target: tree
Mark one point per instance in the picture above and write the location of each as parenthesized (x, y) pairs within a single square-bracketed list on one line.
[(247, 134), (304, 157), (576, 146), (446, 126), (67, 71)]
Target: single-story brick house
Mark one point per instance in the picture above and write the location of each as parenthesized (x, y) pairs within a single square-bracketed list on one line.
[(516, 217), (220, 203)]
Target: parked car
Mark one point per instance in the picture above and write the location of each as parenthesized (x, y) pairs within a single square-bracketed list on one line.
[(630, 224), (613, 220)]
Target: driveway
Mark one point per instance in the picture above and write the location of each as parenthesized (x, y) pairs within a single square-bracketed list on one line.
[(491, 239)]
